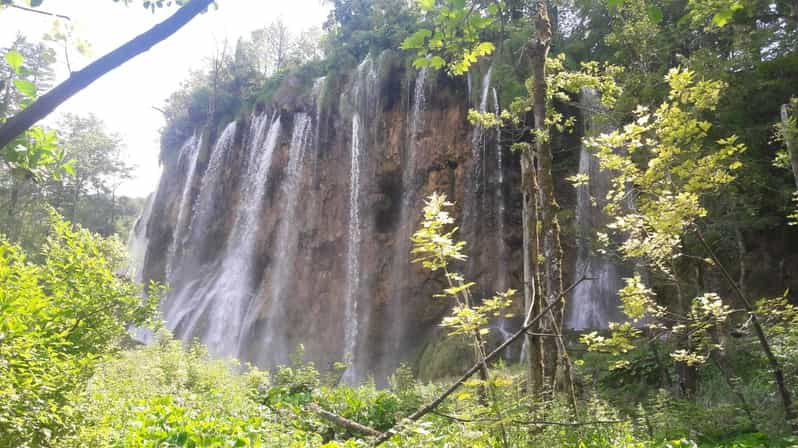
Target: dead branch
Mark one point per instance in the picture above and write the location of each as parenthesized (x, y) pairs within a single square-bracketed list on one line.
[(529, 422), (342, 421)]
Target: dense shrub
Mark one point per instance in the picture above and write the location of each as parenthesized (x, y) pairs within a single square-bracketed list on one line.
[(59, 318)]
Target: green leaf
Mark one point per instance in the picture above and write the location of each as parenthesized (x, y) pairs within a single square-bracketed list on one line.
[(416, 40), (426, 5), (15, 60), (654, 13), (722, 18), (437, 62), (25, 87), (613, 4)]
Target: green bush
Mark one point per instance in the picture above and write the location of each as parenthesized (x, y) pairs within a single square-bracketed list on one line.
[(58, 319), (169, 394)]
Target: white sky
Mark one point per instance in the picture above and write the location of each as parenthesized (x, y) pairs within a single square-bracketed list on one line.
[(124, 98)]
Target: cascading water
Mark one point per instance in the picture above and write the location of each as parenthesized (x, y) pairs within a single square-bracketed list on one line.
[(502, 279), (137, 242), (477, 138), (318, 98), (179, 305), (353, 251), (594, 303), (283, 273), (219, 299), (202, 214), (501, 283), (188, 157), (361, 96), (137, 253), (400, 268)]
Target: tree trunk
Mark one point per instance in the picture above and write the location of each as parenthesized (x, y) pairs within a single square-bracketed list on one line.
[(789, 140), (79, 80), (75, 201), (534, 342), (539, 48)]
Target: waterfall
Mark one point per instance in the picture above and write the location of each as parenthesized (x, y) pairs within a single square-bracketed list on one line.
[(137, 242), (353, 250), (361, 95), (295, 229), (477, 157), (188, 158), (400, 265), (501, 247), (218, 299), (202, 214), (181, 304), (283, 272), (319, 86), (594, 303), (502, 280), (477, 137)]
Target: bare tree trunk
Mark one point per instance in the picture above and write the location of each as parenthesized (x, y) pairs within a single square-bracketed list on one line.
[(11, 228), (789, 141), (539, 48), (75, 200), (534, 342), (688, 375), (80, 79)]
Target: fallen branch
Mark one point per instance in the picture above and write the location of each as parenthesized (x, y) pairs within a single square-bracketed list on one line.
[(475, 368), (529, 422), (80, 79), (342, 421)]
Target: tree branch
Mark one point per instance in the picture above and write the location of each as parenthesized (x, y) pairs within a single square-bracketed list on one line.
[(475, 368), (342, 421), (37, 11), (79, 80), (529, 422)]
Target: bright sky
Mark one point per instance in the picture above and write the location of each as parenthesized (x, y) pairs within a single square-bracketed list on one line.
[(124, 98)]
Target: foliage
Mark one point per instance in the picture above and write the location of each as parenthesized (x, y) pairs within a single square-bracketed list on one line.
[(34, 154), (58, 319), (664, 164), (453, 34), (563, 85), (86, 194), (357, 27), (169, 394)]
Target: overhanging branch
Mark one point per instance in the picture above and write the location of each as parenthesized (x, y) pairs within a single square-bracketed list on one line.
[(79, 80)]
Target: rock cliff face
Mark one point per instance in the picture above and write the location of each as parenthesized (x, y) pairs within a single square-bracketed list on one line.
[(292, 227)]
